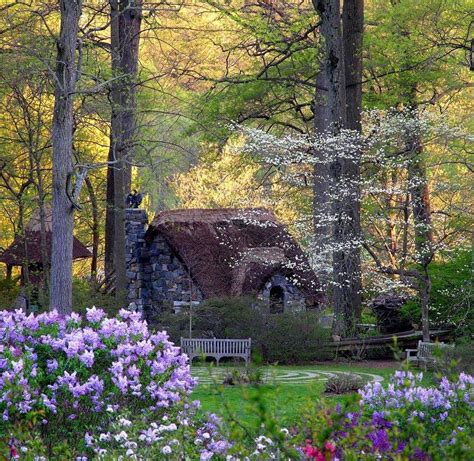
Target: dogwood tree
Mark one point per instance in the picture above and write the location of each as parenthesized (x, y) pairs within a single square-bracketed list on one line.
[(408, 219)]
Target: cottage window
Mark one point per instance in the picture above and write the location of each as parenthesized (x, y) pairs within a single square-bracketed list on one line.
[(277, 300)]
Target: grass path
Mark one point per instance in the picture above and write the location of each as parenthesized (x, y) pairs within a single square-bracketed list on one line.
[(283, 375), (288, 392)]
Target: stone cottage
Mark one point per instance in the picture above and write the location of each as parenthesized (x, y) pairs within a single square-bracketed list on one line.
[(186, 256)]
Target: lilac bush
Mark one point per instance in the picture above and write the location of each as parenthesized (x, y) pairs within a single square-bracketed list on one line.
[(184, 435), (403, 420), (72, 376), (431, 404)]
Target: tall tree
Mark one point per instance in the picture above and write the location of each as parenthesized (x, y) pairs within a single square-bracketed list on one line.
[(126, 16), (353, 29), (420, 201), (337, 178), (420, 69), (63, 217)]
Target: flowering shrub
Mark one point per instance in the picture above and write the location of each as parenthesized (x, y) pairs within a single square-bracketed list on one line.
[(71, 376), (404, 420), (406, 392), (105, 388), (179, 436)]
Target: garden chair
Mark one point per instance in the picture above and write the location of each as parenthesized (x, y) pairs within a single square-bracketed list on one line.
[(425, 353)]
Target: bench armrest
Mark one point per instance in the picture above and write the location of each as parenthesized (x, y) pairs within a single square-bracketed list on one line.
[(411, 352)]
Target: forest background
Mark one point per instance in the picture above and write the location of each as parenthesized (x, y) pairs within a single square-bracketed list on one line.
[(206, 90)]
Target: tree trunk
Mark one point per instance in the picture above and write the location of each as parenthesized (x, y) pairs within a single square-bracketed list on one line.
[(130, 19), (63, 218), (420, 202), (334, 78), (114, 136), (343, 172), (109, 221), (95, 230), (420, 199), (43, 232), (25, 272), (321, 187), (424, 289), (126, 18), (353, 28)]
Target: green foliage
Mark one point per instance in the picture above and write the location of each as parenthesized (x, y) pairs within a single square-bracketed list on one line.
[(86, 294), (452, 294), (9, 290), (275, 85), (236, 376), (294, 338), (291, 337), (343, 384), (452, 361), (404, 47)]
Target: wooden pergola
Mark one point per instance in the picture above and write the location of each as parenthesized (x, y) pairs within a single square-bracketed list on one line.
[(26, 250)]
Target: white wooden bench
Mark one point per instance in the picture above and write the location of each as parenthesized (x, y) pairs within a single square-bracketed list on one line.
[(217, 348), (424, 354)]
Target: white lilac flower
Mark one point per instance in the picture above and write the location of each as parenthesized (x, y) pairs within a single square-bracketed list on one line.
[(121, 436), (104, 437), (88, 439), (125, 422)]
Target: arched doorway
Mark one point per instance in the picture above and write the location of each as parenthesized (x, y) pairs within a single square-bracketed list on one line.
[(277, 300)]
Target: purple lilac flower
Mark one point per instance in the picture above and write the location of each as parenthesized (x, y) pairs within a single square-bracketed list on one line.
[(380, 440), (124, 340), (94, 315), (87, 358)]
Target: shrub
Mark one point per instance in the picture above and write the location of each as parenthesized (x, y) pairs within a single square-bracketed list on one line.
[(67, 375), (85, 293), (235, 376), (230, 318), (405, 420), (293, 337), (343, 383), (290, 337), (454, 360), (9, 290)]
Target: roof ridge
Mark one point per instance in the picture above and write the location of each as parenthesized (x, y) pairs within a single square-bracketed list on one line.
[(213, 215)]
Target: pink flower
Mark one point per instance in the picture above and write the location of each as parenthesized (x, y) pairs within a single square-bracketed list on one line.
[(328, 446), (312, 452)]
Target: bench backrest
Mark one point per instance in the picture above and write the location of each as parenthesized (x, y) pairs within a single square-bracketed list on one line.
[(425, 350), (238, 347)]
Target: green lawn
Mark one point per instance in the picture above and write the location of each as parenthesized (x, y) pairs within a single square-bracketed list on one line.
[(285, 401)]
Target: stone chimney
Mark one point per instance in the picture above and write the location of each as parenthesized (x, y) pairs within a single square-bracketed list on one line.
[(137, 259)]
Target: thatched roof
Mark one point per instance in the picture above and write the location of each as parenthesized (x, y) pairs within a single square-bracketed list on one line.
[(28, 248), (235, 251)]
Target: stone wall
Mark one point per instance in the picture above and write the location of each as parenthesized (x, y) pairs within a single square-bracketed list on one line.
[(157, 278), (294, 299), (137, 259), (171, 285)]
